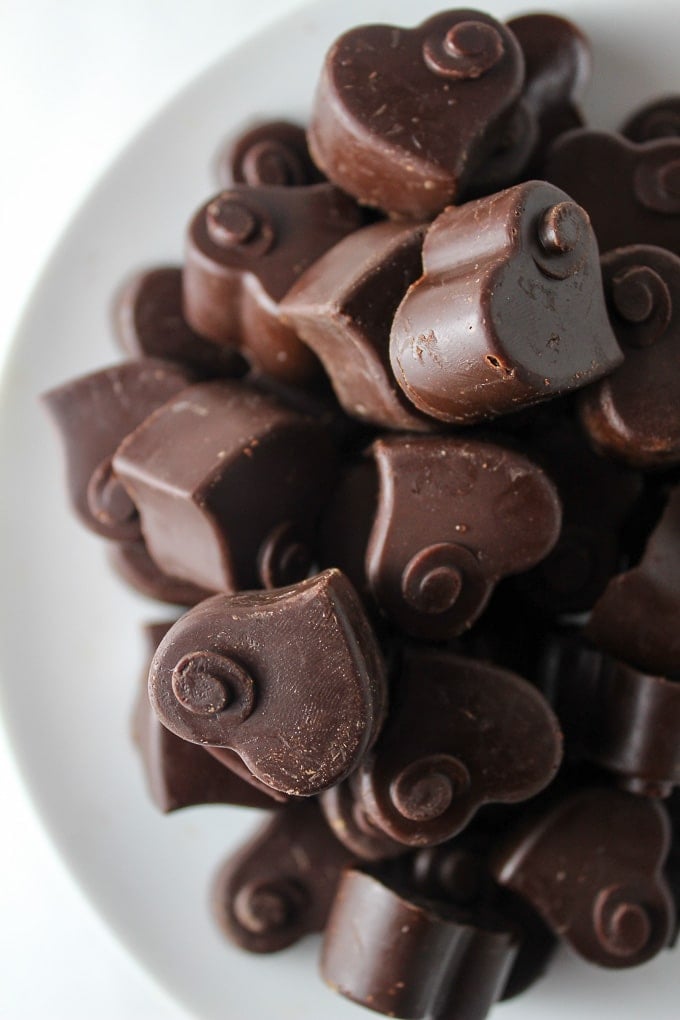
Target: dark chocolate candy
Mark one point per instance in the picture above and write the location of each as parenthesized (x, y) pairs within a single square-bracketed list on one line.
[(631, 192), (131, 561), (405, 118), (591, 865), (280, 885), (150, 323), (228, 484), (347, 818), (456, 738), (509, 310), (557, 58), (404, 956), (636, 618), (598, 499), (343, 306), (232, 761), (634, 413), (452, 516), (93, 414), (659, 118), (292, 680), (180, 774), (245, 250), (271, 153)]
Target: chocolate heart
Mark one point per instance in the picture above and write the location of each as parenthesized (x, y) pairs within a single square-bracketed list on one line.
[(456, 738), (292, 680), (591, 866), (245, 250), (228, 483), (404, 118), (272, 153)]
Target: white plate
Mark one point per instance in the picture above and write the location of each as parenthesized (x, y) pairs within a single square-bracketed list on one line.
[(71, 647)]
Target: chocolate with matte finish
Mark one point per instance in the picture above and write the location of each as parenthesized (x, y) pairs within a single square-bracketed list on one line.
[(232, 761), (659, 118), (347, 818), (591, 865), (509, 311), (634, 413), (291, 679), (271, 153), (636, 618), (557, 58), (460, 734), (598, 498), (343, 306), (180, 774), (280, 885), (631, 192), (93, 414), (405, 118), (150, 323), (245, 250), (452, 517), (228, 483), (618, 717), (132, 563), (414, 958)]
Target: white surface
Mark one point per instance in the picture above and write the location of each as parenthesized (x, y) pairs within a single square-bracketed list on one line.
[(82, 78)]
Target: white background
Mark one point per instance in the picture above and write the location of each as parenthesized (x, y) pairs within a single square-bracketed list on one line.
[(79, 79)]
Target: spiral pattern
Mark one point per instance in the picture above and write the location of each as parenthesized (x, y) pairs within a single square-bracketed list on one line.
[(207, 684), (110, 504), (425, 789), (468, 50), (232, 223)]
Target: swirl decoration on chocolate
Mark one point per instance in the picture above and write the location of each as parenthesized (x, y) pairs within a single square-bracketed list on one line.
[(110, 504), (224, 676), (466, 51), (600, 890), (453, 743), (658, 119), (657, 182), (273, 153)]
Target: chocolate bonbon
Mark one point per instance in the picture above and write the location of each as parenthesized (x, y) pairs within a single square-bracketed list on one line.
[(659, 118), (292, 680), (280, 885), (403, 118), (271, 153), (452, 516), (634, 413), (93, 414), (456, 740), (601, 892), (150, 323), (245, 250), (417, 960), (342, 308), (509, 310), (228, 484), (631, 191)]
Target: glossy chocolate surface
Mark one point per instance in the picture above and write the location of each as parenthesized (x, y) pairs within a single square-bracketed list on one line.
[(509, 311), (291, 679), (132, 563), (403, 118), (634, 413), (343, 306), (280, 885), (659, 118), (631, 192), (456, 738), (245, 250), (228, 483), (636, 618), (93, 414)]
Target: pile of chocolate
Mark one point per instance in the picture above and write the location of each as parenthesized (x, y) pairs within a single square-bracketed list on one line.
[(404, 433)]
